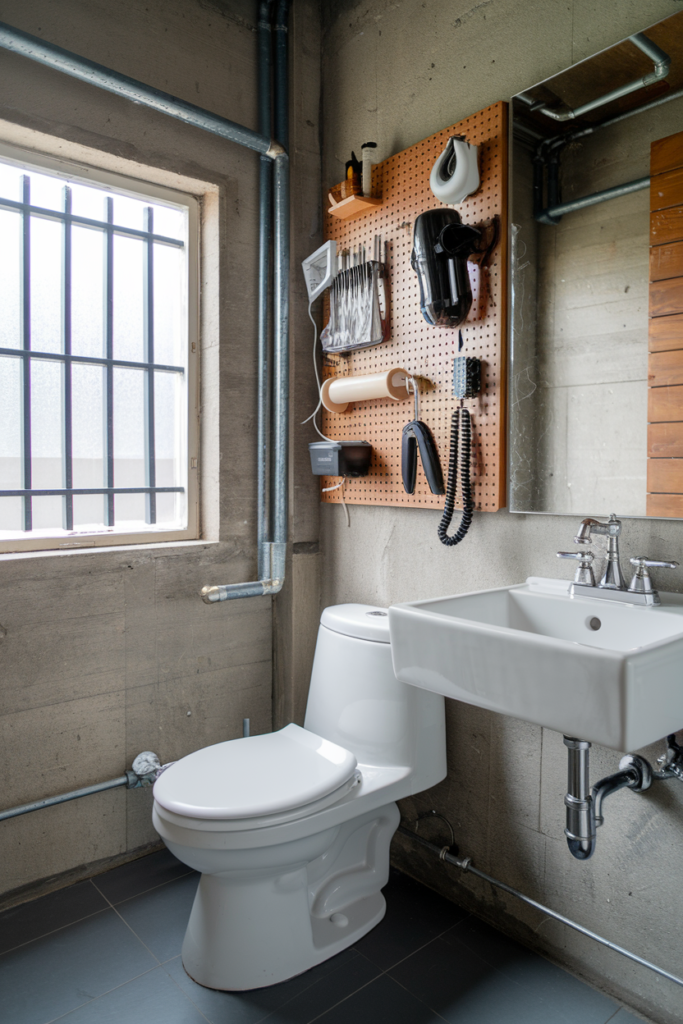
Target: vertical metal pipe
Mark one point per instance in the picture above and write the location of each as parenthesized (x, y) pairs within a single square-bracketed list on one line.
[(580, 830), (281, 357), (281, 128), (66, 370), (281, 298), (26, 456), (265, 239)]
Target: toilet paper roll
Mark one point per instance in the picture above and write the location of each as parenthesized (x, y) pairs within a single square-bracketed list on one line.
[(338, 392)]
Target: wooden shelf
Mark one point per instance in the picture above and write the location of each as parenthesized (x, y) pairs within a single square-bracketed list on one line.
[(354, 206)]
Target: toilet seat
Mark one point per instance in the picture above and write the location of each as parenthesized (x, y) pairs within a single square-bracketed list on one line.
[(242, 782)]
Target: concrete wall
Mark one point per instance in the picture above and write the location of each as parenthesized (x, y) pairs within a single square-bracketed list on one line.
[(395, 73), (104, 654)]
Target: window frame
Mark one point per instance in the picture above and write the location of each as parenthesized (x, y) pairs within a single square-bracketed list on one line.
[(137, 187)]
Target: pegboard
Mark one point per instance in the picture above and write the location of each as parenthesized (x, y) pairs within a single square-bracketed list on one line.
[(402, 181)]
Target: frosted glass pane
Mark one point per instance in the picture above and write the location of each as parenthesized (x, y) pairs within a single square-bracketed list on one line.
[(87, 291), (46, 424), (170, 221), (87, 427), (10, 423), (170, 328), (48, 513), (129, 428), (10, 182), (46, 285), (129, 213), (130, 508), (46, 191), (88, 511), (10, 279), (167, 394), (88, 202), (11, 515), (128, 298)]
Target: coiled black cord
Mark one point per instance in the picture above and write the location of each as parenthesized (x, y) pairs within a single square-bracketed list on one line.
[(460, 420)]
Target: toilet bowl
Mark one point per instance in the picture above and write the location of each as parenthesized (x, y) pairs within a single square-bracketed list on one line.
[(291, 830)]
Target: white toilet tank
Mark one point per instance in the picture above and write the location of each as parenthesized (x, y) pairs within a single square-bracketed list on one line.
[(355, 699)]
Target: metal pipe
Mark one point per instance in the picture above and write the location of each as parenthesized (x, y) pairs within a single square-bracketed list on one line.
[(572, 136), (265, 45), (62, 798), (465, 864), (580, 829), (272, 552), (144, 772), (281, 128), (72, 64), (661, 61), (596, 197)]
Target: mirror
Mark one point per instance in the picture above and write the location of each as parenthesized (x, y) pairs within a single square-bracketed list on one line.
[(583, 382)]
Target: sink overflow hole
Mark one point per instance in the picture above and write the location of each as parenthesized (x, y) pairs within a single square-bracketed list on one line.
[(594, 623)]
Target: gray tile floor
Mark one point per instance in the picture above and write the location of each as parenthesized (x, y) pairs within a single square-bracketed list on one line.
[(107, 951)]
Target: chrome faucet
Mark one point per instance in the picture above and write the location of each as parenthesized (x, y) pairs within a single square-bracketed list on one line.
[(612, 578), (613, 584)]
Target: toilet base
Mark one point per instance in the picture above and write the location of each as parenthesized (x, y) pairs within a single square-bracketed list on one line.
[(254, 928)]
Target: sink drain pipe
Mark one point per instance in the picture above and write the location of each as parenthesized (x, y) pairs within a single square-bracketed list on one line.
[(584, 804), (465, 864), (145, 771)]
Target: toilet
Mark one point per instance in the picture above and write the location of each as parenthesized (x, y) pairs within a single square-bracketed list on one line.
[(291, 830)]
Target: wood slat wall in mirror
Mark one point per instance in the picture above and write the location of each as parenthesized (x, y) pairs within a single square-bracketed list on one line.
[(665, 360)]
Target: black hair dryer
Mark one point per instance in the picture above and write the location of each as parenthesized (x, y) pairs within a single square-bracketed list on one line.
[(441, 245)]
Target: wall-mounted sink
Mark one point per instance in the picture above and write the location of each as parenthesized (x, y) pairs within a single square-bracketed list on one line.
[(606, 672)]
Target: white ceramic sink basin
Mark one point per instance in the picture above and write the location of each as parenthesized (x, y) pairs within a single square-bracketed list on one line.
[(601, 671)]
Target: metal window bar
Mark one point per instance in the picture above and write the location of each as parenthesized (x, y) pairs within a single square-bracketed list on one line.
[(87, 222), (67, 455), (26, 462), (109, 505), (72, 357), (148, 298), (67, 358)]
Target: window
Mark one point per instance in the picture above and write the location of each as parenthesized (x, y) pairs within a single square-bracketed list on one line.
[(97, 323)]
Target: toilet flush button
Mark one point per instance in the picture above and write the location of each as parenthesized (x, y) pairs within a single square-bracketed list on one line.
[(341, 920)]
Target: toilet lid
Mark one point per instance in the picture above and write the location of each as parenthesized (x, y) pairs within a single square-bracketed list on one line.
[(255, 776)]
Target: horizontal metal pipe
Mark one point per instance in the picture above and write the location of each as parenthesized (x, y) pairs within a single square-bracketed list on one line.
[(661, 63), (572, 136), (72, 64), (62, 798), (465, 864), (597, 197)]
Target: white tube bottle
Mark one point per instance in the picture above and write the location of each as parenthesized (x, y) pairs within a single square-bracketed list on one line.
[(366, 155)]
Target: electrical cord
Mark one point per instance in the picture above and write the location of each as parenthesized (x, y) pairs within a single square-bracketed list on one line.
[(334, 488), (317, 380), (459, 421)]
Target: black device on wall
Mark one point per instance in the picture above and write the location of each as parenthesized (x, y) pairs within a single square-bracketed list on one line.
[(441, 245), (466, 384)]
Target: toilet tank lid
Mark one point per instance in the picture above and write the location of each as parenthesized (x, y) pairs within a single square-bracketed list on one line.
[(364, 621), (255, 776)]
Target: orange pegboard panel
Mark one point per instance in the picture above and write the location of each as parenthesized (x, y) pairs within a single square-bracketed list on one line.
[(402, 181)]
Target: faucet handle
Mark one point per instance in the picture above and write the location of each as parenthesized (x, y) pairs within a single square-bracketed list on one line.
[(643, 562), (641, 582), (584, 572)]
